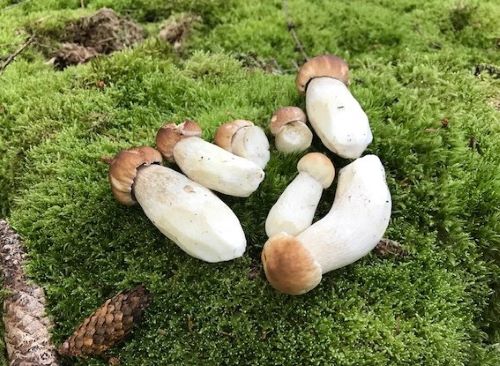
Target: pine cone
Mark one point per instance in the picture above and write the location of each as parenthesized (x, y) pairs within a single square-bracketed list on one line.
[(27, 327), (108, 325)]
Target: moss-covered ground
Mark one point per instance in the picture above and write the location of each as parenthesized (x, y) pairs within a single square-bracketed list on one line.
[(425, 72)]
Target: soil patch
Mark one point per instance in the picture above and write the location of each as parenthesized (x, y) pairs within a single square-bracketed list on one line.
[(99, 34)]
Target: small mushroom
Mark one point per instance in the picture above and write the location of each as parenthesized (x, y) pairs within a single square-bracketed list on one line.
[(184, 211), (295, 208), (333, 112), (206, 163), (288, 125), (353, 227), (244, 139)]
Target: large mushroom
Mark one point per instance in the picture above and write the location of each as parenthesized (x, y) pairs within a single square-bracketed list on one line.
[(244, 139), (206, 163), (333, 112), (353, 227), (295, 208), (184, 211), (288, 125)]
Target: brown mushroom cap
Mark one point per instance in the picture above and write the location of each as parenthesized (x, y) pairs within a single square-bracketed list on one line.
[(123, 169), (224, 134), (289, 266), (284, 116), (319, 167), (170, 134), (322, 66)]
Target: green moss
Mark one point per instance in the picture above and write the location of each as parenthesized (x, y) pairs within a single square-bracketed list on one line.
[(409, 72)]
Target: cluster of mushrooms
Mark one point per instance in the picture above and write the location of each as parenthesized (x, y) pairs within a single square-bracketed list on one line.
[(297, 254)]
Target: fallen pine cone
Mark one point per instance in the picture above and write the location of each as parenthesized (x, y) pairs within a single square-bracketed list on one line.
[(27, 327), (108, 325)]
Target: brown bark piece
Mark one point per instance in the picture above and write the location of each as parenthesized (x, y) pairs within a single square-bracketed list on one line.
[(108, 325), (27, 328)]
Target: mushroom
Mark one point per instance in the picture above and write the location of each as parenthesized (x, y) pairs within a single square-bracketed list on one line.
[(333, 112), (244, 139), (288, 124), (353, 227), (295, 208), (184, 211), (206, 163)]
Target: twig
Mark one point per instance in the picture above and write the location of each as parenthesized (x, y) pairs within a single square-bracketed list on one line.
[(27, 328), (13, 56), (291, 29), (82, 3)]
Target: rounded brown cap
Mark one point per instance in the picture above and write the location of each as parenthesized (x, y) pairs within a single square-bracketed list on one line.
[(123, 169), (322, 66), (170, 134), (286, 115), (224, 134), (289, 266), (319, 167)]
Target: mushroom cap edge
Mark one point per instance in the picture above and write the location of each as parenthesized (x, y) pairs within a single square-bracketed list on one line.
[(322, 66), (123, 170), (289, 266)]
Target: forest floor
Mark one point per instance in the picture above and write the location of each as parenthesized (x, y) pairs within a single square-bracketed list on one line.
[(426, 74)]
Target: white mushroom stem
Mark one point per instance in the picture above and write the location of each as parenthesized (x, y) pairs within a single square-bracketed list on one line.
[(353, 227), (293, 137), (337, 117), (216, 168), (189, 214), (295, 208), (357, 220), (251, 143)]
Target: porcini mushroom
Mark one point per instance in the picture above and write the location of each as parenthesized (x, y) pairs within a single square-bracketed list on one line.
[(244, 139), (295, 208), (184, 211), (333, 112), (206, 163), (288, 125), (353, 227)]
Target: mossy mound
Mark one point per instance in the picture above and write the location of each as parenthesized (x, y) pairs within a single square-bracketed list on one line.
[(436, 130)]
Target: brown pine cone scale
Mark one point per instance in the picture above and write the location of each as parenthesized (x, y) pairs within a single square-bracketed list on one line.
[(108, 325)]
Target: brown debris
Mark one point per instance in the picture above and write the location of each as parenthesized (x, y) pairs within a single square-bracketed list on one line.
[(386, 247), (72, 54), (252, 61), (27, 328), (177, 28), (108, 325), (114, 361), (102, 33)]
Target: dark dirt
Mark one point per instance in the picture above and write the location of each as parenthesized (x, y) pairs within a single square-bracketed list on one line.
[(99, 34)]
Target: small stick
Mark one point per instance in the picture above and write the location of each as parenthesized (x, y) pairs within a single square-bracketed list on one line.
[(13, 56), (291, 29), (27, 328)]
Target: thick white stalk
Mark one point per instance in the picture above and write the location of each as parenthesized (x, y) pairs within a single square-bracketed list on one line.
[(251, 143), (357, 220), (216, 168), (189, 214), (295, 208), (337, 117)]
